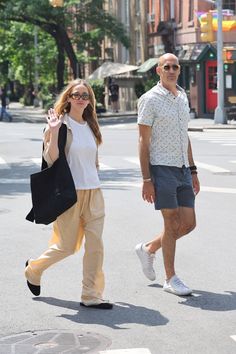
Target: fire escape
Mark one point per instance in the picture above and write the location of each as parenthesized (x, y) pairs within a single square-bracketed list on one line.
[(166, 29)]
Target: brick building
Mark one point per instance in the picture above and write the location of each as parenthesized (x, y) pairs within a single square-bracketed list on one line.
[(158, 26)]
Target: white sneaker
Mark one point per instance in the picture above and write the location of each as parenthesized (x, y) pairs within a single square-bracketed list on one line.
[(176, 286), (146, 260)]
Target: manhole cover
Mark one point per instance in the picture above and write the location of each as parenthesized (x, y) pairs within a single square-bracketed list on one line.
[(54, 341)]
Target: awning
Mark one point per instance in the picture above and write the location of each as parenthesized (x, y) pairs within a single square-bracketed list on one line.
[(109, 68), (195, 52), (147, 65)]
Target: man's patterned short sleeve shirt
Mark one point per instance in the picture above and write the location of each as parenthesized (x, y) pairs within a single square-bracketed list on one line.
[(168, 115)]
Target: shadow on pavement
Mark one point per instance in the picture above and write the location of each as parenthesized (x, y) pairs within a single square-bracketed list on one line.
[(122, 313), (16, 178), (208, 301)]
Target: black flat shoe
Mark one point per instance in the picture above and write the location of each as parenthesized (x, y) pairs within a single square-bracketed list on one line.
[(35, 289), (102, 306)]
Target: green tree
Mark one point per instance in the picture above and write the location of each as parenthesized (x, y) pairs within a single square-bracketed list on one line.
[(17, 57), (58, 21)]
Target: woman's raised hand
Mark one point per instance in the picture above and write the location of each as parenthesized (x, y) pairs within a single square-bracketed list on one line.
[(54, 121)]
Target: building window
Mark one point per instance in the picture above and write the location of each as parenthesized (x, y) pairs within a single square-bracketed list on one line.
[(152, 7), (137, 7), (138, 47), (190, 10), (180, 11), (229, 5), (161, 12)]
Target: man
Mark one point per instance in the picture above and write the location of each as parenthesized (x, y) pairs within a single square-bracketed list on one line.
[(114, 95), (4, 103), (169, 174)]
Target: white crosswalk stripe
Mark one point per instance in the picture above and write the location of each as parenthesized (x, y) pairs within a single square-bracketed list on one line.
[(104, 167), (111, 163), (37, 160), (212, 168), (233, 337), (3, 164), (127, 351), (134, 160), (224, 138)]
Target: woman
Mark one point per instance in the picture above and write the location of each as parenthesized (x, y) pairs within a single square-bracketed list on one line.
[(75, 107)]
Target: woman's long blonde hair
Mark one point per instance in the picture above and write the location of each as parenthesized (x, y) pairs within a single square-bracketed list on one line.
[(62, 106)]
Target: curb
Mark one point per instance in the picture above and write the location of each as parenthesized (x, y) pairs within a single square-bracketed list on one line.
[(195, 129)]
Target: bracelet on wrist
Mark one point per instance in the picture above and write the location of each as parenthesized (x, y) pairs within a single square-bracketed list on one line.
[(193, 168), (194, 172), (147, 180)]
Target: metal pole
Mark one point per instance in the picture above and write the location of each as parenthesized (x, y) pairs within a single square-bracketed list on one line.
[(36, 62), (36, 75), (220, 116)]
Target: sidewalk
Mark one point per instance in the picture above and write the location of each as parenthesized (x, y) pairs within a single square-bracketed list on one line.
[(31, 114), (201, 124)]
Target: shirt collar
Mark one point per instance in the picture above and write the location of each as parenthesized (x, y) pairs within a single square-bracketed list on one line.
[(161, 89)]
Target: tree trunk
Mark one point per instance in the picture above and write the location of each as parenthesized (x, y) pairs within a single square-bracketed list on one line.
[(60, 63), (70, 52)]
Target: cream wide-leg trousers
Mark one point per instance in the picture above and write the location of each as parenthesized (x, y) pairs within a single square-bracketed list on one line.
[(85, 218)]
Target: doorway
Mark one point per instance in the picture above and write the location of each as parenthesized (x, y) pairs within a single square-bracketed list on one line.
[(211, 85)]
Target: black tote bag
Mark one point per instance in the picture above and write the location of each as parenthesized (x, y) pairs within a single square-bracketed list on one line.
[(52, 189)]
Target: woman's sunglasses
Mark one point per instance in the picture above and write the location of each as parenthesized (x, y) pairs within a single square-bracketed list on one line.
[(77, 96), (167, 67)]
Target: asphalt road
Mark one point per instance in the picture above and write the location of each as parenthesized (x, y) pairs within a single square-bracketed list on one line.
[(144, 319)]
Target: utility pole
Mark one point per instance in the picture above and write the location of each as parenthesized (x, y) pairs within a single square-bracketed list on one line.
[(220, 116)]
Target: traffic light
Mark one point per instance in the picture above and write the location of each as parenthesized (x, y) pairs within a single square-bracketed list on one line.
[(206, 28), (57, 3), (229, 55)]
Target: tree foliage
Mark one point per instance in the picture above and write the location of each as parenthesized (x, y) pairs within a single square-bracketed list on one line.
[(66, 27)]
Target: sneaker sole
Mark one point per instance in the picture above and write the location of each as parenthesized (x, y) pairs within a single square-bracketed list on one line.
[(175, 293), (138, 252)]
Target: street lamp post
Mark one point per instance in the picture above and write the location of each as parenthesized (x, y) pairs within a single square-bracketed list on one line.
[(220, 116)]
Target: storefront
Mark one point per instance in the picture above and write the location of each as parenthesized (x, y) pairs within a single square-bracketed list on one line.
[(199, 78)]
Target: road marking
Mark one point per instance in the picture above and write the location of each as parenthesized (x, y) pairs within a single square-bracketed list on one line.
[(117, 126), (3, 164), (215, 137), (228, 144), (129, 184), (104, 167), (126, 184), (218, 190), (233, 337), (127, 351), (233, 161), (14, 181), (134, 160), (211, 168), (37, 160)]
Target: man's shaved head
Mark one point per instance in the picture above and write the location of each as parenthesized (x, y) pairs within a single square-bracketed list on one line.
[(165, 57)]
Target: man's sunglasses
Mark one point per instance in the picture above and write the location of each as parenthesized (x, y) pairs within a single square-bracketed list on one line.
[(77, 96), (167, 67)]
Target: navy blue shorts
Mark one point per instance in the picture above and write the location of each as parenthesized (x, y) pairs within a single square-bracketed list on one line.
[(173, 187)]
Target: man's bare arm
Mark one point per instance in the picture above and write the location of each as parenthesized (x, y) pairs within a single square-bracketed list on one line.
[(190, 154), (196, 184), (148, 191), (144, 142)]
